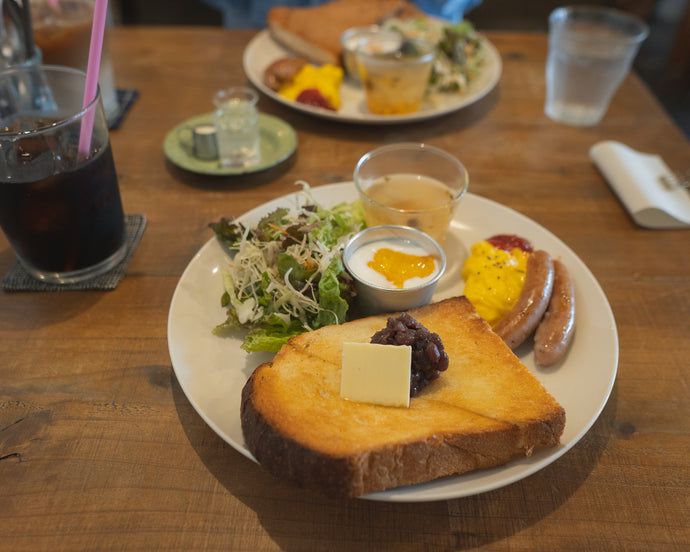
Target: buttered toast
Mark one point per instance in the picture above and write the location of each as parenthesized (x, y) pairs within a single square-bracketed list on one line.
[(485, 409), (314, 32)]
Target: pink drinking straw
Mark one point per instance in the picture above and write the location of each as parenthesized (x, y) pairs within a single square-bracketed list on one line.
[(100, 12)]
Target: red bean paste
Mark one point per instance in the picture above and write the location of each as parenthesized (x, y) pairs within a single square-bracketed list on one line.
[(429, 358)]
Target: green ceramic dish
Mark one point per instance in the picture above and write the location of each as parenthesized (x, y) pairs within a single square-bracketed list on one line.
[(278, 142)]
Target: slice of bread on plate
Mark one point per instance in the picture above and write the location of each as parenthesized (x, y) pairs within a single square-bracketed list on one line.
[(484, 410), (314, 32)]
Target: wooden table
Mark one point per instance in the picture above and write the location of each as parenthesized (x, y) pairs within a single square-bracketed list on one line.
[(100, 449)]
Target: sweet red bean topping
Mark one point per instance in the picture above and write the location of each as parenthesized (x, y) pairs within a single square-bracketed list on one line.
[(429, 358)]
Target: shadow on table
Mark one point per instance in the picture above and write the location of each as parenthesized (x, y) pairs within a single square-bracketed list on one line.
[(49, 307), (292, 517), (237, 182)]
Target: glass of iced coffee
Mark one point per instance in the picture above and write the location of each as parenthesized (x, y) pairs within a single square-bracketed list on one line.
[(60, 205)]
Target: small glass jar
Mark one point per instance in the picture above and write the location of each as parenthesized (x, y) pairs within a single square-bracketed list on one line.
[(237, 127)]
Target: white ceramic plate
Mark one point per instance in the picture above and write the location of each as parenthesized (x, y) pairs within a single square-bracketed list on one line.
[(263, 50), (212, 370)]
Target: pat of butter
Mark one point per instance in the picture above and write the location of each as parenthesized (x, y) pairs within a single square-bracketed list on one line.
[(378, 374)]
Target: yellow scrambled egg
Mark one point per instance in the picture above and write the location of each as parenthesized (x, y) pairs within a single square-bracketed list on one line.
[(494, 279), (326, 79)]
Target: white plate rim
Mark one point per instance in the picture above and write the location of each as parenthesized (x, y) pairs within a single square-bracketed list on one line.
[(263, 49), (582, 383)]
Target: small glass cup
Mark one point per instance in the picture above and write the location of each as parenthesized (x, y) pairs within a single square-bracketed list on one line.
[(394, 80), (410, 184), (60, 210), (591, 50), (357, 37), (237, 127)]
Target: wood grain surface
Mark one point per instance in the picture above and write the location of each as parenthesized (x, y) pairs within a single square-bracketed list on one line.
[(101, 450)]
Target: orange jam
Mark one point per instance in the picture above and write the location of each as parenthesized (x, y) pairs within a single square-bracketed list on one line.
[(397, 267)]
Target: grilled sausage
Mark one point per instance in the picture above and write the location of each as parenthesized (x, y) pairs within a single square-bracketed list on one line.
[(282, 71), (527, 312), (555, 331)]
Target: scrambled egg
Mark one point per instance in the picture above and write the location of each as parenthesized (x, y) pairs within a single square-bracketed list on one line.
[(494, 279), (326, 79)]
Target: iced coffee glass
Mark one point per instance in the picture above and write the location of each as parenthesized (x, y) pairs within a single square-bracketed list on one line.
[(62, 30), (60, 207)]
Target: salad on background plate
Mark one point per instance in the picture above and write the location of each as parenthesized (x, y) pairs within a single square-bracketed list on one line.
[(459, 52)]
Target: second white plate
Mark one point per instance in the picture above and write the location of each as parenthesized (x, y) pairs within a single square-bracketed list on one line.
[(263, 50)]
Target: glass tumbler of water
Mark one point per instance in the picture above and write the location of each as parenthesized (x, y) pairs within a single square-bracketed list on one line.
[(591, 50), (237, 127)]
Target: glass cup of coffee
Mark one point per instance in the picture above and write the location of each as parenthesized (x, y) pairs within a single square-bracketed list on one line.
[(60, 207), (62, 30)]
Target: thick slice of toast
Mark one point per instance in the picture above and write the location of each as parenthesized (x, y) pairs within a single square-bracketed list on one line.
[(485, 409), (314, 32)]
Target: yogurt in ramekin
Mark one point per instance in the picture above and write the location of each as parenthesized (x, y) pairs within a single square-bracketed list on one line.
[(412, 266)]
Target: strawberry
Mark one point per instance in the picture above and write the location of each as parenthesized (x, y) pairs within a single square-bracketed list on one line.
[(312, 96)]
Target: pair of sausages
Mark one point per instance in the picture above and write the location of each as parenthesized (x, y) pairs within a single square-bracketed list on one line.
[(546, 304)]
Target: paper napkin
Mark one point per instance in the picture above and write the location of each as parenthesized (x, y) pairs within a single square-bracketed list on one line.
[(644, 183)]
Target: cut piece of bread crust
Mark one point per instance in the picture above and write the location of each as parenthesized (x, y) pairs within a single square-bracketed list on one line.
[(484, 410)]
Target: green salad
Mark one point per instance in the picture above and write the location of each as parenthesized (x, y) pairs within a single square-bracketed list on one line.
[(459, 53), (287, 276)]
